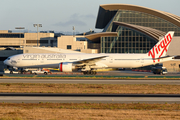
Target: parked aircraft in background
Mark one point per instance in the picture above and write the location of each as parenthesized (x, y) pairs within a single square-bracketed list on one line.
[(88, 63)]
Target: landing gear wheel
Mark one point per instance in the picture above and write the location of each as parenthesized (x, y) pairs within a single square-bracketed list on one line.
[(93, 72), (11, 72), (45, 73), (85, 72), (89, 72)]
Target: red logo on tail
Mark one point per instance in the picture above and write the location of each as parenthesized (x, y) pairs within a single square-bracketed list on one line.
[(160, 48)]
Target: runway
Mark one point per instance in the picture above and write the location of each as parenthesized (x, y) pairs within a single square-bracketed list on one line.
[(90, 81), (99, 98), (52, 98), (99, 74)]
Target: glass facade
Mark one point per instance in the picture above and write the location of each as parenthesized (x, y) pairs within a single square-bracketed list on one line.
[(130, 40), (144, 19), (11, 35), (35, 41)]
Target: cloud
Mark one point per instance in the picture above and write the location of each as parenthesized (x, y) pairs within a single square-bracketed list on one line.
[(88, 16), (76, 20), (71, 22)]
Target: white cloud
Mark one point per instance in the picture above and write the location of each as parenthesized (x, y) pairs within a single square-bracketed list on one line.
[(71, 22), (76, 20)]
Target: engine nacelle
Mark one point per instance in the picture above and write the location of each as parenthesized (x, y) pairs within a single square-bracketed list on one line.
[(67, 67)]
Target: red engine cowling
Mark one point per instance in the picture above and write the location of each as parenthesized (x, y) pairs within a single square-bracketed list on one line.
[(66, 67)]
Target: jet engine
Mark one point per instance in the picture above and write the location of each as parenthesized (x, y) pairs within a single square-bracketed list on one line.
[(67, 67)]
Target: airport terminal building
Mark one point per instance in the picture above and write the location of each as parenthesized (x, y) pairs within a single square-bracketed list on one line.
[(135, 29), (138, 28), (125, 29)]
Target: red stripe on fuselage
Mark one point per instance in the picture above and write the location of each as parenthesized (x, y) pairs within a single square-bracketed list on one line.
[(60, 67)]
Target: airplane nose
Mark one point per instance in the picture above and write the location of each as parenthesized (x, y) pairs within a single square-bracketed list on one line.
[(6, 62)]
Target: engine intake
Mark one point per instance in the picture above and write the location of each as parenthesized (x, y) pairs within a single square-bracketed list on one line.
[(67, 67)]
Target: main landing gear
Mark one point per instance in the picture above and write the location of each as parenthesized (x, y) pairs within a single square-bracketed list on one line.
[(89, 72)]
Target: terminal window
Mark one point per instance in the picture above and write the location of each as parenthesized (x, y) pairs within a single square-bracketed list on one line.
[(68, 46)]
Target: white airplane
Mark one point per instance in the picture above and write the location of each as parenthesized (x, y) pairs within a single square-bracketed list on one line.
[(88, 63)]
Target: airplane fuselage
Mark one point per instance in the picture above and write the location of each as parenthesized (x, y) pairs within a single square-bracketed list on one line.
[(88, 63), (53, 60)]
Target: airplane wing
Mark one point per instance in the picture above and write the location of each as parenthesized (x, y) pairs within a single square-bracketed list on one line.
[(89, 61)]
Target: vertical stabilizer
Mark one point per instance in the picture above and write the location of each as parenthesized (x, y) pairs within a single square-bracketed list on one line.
[(161, 48)]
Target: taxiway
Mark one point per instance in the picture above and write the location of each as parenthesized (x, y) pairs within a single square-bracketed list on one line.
[(82, 98)]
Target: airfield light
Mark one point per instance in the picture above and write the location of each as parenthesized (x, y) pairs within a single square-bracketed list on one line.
[(37, 25)]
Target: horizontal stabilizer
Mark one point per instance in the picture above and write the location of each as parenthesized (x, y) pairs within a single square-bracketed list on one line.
[(162, 57)]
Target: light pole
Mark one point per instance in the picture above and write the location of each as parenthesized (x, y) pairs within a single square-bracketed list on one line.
[(73, 30), (20, 28), (37, 25)]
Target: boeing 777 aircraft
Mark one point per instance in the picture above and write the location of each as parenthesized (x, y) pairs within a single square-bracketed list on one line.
[(88, 63)]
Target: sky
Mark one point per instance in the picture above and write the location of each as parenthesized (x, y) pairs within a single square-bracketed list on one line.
[(61, 15)]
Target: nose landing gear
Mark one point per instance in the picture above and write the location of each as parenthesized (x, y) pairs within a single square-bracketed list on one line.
[(11, 72)]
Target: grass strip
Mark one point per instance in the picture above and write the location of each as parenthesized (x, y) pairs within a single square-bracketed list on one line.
[(88, 88), (92, 111), (111, 106)]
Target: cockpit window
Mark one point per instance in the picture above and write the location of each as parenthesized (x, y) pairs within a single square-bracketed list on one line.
[(8, 58)]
